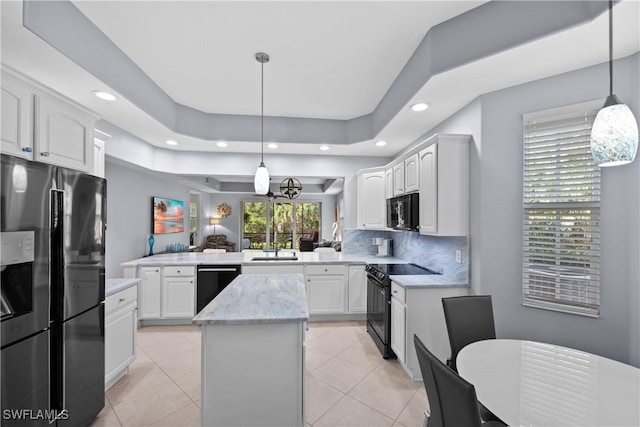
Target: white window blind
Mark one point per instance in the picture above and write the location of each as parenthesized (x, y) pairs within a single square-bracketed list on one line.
[(561, 194)]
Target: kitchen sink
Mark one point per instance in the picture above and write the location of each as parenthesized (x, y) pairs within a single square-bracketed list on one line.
[(274, 258)]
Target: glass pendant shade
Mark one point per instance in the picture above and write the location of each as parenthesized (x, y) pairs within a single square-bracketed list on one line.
[(614, 136), (261, 180)]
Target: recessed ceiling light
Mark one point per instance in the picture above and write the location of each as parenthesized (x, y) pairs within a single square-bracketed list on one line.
[(171, 142), (324, 147), (420, 106), (104, 95), (272, 145), (381, 143), (222, 144)]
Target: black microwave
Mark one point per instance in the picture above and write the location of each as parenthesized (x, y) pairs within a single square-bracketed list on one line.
[(403, 212)]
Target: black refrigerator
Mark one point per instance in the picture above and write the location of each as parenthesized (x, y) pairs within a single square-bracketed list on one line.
[(52, 224)]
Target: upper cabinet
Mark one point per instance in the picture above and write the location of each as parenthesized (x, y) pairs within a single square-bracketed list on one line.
[(388, 177), (444, 186), (405, 176), (371, 201), (40, 125)]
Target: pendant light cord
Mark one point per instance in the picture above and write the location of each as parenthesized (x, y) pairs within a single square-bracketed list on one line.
[(262, 112), (610, 47)]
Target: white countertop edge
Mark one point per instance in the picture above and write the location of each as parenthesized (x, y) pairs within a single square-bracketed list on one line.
[(113, 286), (428, 281)]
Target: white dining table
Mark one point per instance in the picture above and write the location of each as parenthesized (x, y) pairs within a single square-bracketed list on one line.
[(528, 383)]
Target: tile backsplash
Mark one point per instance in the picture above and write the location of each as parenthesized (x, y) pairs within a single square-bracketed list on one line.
[(435, 253)]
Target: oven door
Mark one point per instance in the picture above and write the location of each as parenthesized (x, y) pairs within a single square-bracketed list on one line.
[(379, 315)]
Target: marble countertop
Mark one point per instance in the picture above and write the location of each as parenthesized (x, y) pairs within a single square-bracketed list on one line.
[(258, 298), (112, 286), (429, 281), (195, 258)]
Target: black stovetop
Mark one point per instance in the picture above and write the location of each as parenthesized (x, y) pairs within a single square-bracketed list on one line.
[(400, 269)]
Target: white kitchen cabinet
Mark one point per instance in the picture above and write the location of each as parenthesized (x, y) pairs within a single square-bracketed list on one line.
[(371, 210), (120, 324), (411, 174), (357, 289), (418, 310), (326, 286), (398, 179), (178, 292), (388, 179), (42, 125), (405, 176), (398, 333), (150, 293), (444, 186), (17, 119), (98, 157), (63, 136)]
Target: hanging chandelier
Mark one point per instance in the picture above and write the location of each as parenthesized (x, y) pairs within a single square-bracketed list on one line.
[(614, 135), (290, 188), (261, 179)]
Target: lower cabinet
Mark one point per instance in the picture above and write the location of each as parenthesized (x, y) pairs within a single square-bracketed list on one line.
[(120, 325), (357, 289), (178, 292), (419, 311), (167, 292), (398, 322), (326, 287)]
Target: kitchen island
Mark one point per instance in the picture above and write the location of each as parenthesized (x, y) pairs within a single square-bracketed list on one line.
[(253, 352)]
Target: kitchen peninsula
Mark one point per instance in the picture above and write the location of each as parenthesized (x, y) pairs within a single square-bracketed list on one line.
[(253, 346)]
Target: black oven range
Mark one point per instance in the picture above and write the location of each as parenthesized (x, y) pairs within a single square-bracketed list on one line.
[(379, 301)]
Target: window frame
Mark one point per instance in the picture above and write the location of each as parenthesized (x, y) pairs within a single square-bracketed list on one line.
[(561, 211)]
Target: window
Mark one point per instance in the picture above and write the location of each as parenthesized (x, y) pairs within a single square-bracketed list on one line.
[(561, 195), (266, 224)]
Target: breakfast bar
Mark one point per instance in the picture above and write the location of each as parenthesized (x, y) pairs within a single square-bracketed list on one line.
[(253, 352)]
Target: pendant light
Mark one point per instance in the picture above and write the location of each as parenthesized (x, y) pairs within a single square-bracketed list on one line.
[(614, 135), (261, 180)]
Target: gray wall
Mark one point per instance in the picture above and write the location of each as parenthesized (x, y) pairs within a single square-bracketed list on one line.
[(129, 213), (495, 121)]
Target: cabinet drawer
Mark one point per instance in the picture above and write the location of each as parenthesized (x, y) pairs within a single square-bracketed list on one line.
[(327, 269), (398, 292), (120, 299), (180, 270)]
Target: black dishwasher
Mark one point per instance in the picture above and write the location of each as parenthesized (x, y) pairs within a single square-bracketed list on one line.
[(212, 279)]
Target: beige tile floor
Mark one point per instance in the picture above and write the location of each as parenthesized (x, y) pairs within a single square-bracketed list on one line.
[(348, 383)]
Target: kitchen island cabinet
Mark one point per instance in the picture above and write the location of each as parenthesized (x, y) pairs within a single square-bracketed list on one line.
[(253, 347)]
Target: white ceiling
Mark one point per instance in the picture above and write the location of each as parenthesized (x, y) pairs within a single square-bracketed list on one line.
[(329, 59)]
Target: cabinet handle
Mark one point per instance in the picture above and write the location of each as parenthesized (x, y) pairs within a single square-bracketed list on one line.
[(27, 149), (178, 271), (395, 291), (122, 300), (45, 154)]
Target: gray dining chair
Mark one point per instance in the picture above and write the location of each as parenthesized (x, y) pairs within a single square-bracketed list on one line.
[(452, 399), (469, 319)]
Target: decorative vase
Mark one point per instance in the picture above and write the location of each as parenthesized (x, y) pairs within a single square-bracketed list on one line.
[(151, 242)]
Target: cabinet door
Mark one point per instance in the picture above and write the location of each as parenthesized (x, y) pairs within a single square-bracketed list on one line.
[(398, 179), (326, 294), (428, 159), (119, 341), (388, 179), (398, 328), (178, 297), (411, 182), (149, 294), (371, 202), (357, 289), (63, 136), (17, 118)]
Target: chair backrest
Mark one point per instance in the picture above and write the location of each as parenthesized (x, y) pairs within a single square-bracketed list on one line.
[(323, 249), (213, 251), (469, 319), (452, 399)]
